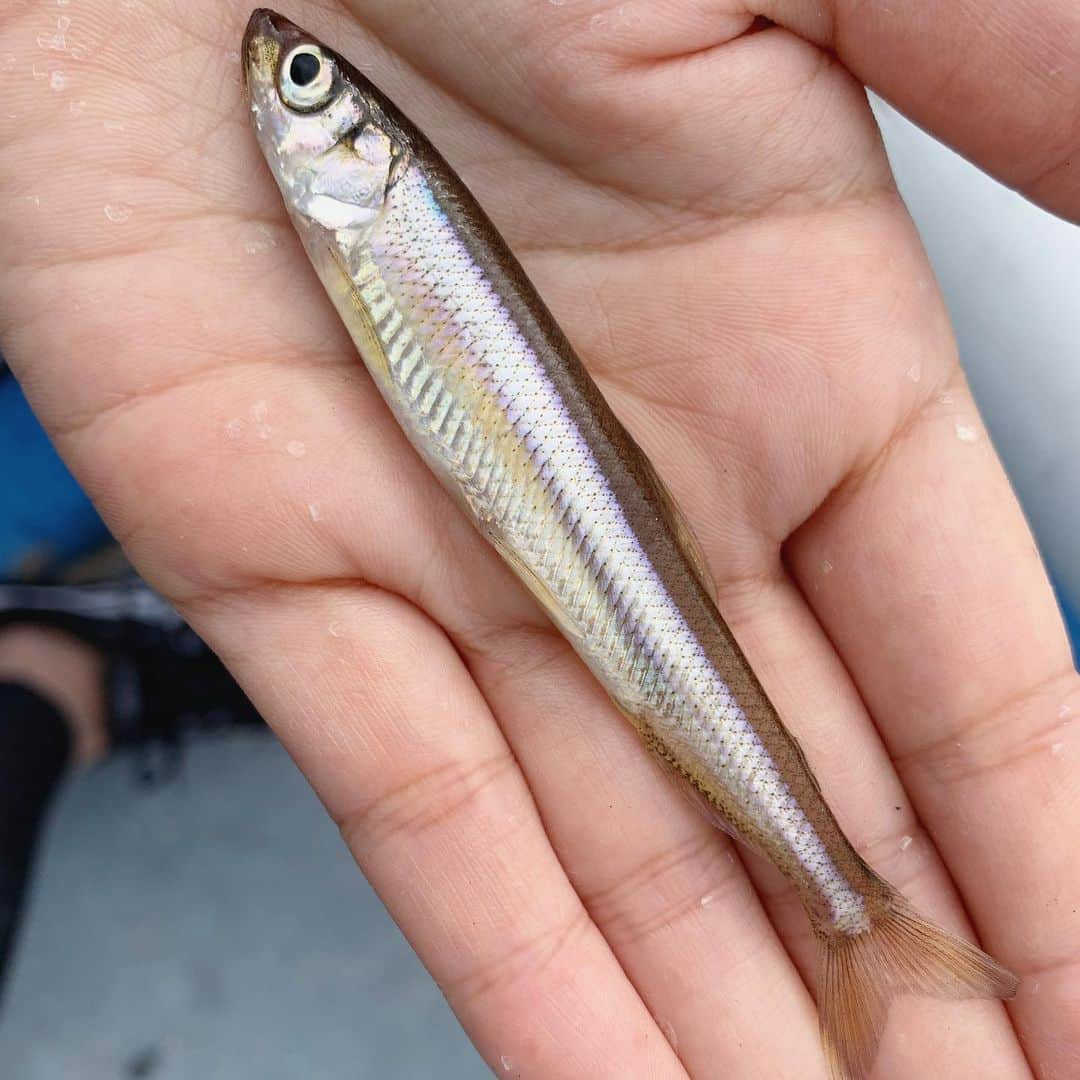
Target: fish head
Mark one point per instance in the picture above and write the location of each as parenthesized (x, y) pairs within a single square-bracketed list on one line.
[(321, 127)]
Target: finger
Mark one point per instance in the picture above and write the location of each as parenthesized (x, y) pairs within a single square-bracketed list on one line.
[(376, 708), (938, 602), (999, 82), (660, 882), (679, 920), (615, 101), (807, 683)]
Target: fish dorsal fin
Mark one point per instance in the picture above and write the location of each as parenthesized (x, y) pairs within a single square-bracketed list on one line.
[(684, 534)]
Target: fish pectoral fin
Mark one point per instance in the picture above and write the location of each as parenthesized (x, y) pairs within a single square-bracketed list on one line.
[(361, 328)]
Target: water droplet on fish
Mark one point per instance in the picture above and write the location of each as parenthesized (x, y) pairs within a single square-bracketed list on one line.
[(118, 213), (296, 448), (966, 433), (905, 843)]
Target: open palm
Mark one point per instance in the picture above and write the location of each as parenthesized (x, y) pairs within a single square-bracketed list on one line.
[(704, 201)]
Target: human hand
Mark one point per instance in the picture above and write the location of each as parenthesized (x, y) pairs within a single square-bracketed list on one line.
[(710, 215)]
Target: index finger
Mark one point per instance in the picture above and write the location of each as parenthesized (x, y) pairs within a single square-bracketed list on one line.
[(998, 82)]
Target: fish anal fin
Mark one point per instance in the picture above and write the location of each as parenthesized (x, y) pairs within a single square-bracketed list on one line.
[(702, 803), (683, 781)]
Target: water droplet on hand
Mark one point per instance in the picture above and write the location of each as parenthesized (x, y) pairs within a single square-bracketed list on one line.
[(118, 213)]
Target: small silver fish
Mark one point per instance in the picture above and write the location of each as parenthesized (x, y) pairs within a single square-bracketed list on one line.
[(492, 395)]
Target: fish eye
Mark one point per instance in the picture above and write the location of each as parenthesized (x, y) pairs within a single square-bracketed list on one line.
[(307, 77), (304, 69)]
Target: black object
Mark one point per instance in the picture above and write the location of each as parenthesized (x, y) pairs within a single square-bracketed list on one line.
[(161, 678), (304, 69), (35, 744), (161, 681)]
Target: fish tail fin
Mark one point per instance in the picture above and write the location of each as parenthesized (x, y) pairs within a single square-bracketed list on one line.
[(901, 953)]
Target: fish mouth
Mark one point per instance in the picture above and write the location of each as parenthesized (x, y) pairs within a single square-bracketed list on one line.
[(267, 23), (265, 30)]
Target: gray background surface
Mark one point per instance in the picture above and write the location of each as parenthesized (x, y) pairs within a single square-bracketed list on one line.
[(218, 929), (215, 929)]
